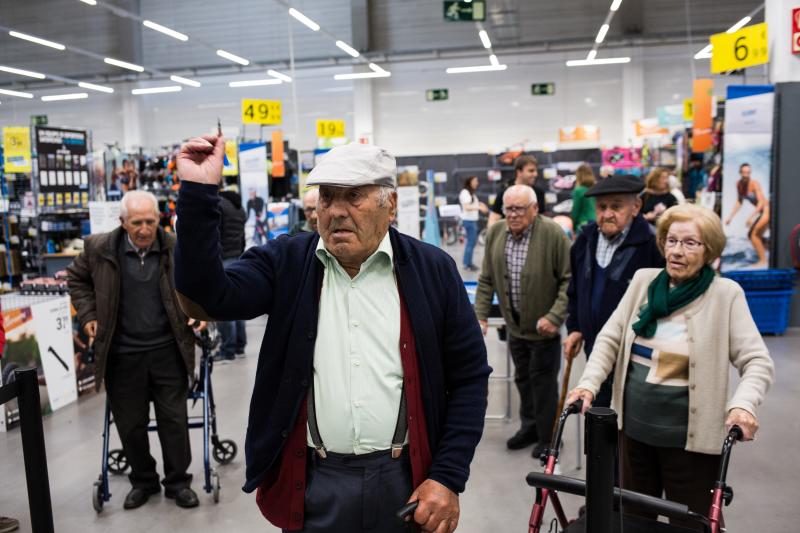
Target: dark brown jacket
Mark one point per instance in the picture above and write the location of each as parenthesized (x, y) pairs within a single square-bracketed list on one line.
[(94, 288)]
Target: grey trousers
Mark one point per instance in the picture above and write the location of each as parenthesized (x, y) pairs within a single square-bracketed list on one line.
[(356, 493)]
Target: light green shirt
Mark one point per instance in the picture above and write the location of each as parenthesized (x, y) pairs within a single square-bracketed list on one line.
[(358, 374)]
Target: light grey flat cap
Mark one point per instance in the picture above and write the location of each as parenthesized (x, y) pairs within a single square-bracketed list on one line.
[(354, 165)]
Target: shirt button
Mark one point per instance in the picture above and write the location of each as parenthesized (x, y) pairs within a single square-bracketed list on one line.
[(299, 452), (692, 386), (304, 383), (298, 485), (356, 363), (352, 285), (357, 404), (284, 433), (693, 410), (355, 323), (692, 364), (691, 435)]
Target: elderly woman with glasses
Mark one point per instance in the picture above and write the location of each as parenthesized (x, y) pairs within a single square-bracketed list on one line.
[(670, 343)]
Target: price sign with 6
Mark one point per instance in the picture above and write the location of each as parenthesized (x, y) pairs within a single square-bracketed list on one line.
[(744, 48), (261, 112)]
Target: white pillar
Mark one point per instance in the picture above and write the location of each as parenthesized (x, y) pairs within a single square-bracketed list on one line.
[(784, 66), (363, 125), (132, 134), (632, 95)]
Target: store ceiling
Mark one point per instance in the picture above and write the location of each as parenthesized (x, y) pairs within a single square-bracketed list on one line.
[(383, 29)]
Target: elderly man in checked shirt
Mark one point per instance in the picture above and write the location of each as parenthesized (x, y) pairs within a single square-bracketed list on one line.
[(527, 264), (604, 258)]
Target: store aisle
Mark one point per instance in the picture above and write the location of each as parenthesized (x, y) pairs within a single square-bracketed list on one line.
[(763, 474)]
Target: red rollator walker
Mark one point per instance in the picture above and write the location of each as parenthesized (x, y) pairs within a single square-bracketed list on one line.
[(548, 485)]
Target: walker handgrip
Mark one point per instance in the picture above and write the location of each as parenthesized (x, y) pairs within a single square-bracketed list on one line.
[(407, 510), (576, 406), (736, 432)]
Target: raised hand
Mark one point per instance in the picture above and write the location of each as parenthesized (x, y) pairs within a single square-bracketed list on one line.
[(200, 160)]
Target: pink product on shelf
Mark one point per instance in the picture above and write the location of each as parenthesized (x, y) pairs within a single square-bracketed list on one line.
[(622, 158)]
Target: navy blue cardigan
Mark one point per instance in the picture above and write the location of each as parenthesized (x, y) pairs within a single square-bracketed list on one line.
[(282, 279), (638, 250)]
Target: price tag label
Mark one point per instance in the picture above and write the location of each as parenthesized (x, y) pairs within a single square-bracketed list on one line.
[(330, 128), (688, 110), (744, 48), (266, 112)]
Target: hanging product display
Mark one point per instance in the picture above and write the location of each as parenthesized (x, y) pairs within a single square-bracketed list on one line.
[(63, 173)]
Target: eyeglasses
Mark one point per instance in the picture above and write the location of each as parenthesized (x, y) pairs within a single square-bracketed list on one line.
[(690, 245), (515, 210)]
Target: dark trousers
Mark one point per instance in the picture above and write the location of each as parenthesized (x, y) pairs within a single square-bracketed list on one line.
[(134, 379), (357, 493), (685, 477), (233, 337), (536, 365)]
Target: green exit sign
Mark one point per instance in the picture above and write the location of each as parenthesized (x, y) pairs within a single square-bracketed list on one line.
[(39, 120), (543, 89), (465, 11), (434, 95)]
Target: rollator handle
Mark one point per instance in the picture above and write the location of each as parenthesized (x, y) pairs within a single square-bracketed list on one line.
[(736, 432), (575, 407), (407, 510)]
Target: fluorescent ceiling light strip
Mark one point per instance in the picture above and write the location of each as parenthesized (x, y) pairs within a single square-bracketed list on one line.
[(601, 35), (304, 19), (185, 81), (279, 75), (254, 83), (377, 68), (615, 5), (21, 72), (705, 53), (739, 25), (233, 57), (37, 40), (123, 64), (493, 60), (153, 90), (481, 68), (591, 55), (94, 87), (485, 39), (9, 92), (69, 96), (166, 31), (592, 62), (90, 2), (347, 48), (362, 75)]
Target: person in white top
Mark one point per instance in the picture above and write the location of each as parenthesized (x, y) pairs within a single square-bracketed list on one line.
[(470, 209)]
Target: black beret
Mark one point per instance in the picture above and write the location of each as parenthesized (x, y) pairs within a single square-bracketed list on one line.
[(617, 184)]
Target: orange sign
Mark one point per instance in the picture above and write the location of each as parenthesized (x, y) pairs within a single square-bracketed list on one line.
[(701, 132), (278, 166), (585, 132), (649, 126)]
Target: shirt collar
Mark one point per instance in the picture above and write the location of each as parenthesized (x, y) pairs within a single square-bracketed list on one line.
[(141, 251), (523, 235), (620, 237), (384, 251)]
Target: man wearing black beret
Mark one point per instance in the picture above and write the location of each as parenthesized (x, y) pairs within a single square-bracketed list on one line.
[(604, 258)]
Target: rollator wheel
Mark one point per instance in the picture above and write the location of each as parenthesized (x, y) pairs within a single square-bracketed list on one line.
[(215, 487), (97, 496), (225, 451), (117, 462)]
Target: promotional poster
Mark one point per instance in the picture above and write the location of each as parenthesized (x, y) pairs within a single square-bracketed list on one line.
[(255, 191)]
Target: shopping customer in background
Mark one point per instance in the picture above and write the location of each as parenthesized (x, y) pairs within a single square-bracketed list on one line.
[(604, 258), (657, 198), (526, 263), (526, 170), (231, 237), (122, 288), (582, 205), (471, 208), (372, 381), (673, 338), (310, 199)]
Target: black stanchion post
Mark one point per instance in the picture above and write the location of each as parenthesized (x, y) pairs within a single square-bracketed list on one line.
[(33, 451), (601, 448)]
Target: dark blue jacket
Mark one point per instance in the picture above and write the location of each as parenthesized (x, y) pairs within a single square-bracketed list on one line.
[(282, 279), (638, 250)]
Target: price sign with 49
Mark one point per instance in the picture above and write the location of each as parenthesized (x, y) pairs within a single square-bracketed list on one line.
[(267, 112)]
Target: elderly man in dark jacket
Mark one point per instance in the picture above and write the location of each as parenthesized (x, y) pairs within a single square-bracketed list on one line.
[(604, 258), (373, 372), (122, 288)]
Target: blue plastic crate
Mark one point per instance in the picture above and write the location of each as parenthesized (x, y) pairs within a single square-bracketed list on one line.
[(770, 310), (772, 279)]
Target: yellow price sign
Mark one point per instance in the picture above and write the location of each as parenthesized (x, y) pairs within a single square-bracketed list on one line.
[(744, 48), (17, 146), (330, 128), (261, 112), (688, 110)]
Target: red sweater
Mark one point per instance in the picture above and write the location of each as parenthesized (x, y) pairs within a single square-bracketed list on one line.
[(281, 496)]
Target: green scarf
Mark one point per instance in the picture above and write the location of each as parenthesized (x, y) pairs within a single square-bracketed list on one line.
[(663, 301)]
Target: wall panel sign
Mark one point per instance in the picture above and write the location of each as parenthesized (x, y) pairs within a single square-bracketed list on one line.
[(62, 167), (464, 11)]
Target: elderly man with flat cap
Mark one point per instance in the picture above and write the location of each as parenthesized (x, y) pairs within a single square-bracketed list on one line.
[(606, 254), (372, 381)]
